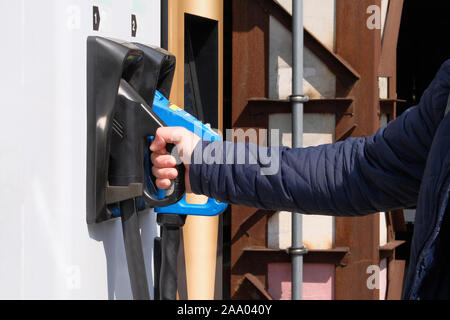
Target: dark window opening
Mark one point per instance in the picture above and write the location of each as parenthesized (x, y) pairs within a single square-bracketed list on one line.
[(201, 68), (423, 47)]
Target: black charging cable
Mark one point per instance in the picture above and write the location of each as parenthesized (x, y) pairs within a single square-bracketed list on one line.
[(171, 225), (133, 250)]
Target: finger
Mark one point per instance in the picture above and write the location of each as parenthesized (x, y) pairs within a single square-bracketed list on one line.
[(163, 184), (163, 161), (158, 145), (166, 135), (165, 173)]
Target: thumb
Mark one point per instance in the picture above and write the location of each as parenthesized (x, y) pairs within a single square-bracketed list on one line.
[(165, 135)]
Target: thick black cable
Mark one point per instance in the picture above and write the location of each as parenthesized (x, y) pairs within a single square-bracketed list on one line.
[(170, 242), (157, 266), (133, 250), (168, 281)]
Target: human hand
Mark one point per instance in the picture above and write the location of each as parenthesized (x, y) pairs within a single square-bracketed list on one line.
[(163, 163)]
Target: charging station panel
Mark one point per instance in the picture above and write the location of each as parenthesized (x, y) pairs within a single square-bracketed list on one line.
[(198, 46), (48, 251)]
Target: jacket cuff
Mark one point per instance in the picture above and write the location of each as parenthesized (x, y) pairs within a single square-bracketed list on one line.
[(196, 169)]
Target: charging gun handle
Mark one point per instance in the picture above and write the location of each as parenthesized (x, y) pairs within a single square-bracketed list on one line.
[(177, 189)]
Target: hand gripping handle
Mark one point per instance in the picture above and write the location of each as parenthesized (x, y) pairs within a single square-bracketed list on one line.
[(176, 191)]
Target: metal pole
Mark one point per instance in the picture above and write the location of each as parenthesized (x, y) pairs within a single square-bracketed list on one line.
[(297, 250)]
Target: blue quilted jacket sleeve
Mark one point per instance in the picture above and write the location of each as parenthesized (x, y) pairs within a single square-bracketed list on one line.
[(354, 177)]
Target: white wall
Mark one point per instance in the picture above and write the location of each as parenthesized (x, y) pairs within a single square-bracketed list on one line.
[(47, 250)]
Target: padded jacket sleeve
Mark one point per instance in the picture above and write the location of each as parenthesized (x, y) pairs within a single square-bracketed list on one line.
[(354, 177)]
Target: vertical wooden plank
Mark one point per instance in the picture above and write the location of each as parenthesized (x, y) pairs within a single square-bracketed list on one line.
[(361, 47)]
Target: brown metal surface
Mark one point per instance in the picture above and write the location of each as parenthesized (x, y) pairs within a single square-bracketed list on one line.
[(361, 47), (388, 250), (250, 288), (346, 127), (388, 65), (398, 221), (356, 63), (257, 111), (388, 106), (250, 54), (250, 38), (263, 255), (248, 228), (388, 68), (389, 227), (346, 75), (396, 272)]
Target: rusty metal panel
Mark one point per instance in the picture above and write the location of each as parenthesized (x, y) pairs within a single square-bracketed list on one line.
[(356, 63), (396, 271), (388, 66), (361, 47), (250, 54), (250, 38)]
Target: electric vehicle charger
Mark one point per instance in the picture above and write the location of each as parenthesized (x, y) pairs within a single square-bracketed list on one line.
[(172, 218), (119, 122), (124, 80)]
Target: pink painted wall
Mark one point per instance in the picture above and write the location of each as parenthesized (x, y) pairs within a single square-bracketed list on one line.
[(318, 281)]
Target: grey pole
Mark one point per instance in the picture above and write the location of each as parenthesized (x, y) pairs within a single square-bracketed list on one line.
[(297, 250)]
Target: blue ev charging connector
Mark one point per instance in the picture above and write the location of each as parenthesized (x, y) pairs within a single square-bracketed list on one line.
[(173, 116), (172, 218)]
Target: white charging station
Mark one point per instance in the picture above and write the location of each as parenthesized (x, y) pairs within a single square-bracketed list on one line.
[(47, 250)]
